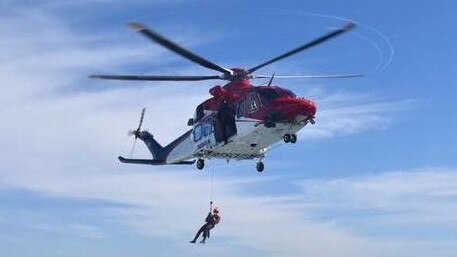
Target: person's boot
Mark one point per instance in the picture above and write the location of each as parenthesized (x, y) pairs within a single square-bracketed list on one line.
[(192, 242)]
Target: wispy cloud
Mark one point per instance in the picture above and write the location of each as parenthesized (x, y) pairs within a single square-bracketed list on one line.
[(333, 216), (344, 113), (413, 198), (80, 230)]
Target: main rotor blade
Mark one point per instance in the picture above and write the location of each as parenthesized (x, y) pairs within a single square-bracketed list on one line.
[(315, 42), (154, 78), (156, 37), (329, 76)]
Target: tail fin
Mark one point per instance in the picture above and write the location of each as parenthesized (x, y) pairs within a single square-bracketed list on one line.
[(158, 152)]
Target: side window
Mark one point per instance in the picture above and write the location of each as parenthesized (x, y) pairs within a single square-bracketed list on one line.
[(253, 102), (240, 109)]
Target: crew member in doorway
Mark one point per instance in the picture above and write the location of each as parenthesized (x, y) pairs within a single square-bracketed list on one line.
[(211, 220), (226, 119)]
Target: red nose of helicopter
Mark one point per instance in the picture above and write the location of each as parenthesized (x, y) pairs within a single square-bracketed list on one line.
[(296, 108), (309, 107)]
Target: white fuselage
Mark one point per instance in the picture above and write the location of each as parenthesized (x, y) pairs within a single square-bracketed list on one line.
[(252, 140)]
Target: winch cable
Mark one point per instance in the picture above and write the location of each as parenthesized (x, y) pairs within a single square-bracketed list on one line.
[(212, 175)]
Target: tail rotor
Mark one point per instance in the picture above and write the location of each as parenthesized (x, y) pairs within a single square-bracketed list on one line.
[(136, 132)]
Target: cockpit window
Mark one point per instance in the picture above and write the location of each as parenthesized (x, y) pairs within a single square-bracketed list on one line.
[(289, 93), (268, 95)]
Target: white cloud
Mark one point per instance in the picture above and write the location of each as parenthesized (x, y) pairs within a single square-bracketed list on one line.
[(343, 113), (80, 230), (416, 198), (51, 4), (167, 205)]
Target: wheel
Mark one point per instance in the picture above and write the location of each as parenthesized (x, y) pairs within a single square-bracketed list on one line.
[(260, 166), (270, 124), (286, 138), (200, 164), (293, 138)]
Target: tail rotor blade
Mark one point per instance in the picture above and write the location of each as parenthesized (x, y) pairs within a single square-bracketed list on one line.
[(133, 148), (141, 119), (136, 132)]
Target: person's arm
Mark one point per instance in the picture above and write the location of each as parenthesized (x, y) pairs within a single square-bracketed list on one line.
[(209, 217), (210, 214), (217, 219)]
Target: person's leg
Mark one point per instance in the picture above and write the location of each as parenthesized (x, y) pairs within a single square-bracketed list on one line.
[(224, 131), (218, 130), (202, 229), (203, 238), (206, 233)]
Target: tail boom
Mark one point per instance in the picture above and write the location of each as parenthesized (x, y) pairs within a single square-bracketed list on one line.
[(159, 153)]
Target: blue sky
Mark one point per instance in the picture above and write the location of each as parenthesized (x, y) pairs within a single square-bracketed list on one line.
[(376, 176)]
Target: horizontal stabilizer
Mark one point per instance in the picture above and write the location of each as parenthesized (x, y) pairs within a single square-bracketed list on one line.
[(150, 161)]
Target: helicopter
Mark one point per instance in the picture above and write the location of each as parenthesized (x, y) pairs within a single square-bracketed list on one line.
[(240, 121)]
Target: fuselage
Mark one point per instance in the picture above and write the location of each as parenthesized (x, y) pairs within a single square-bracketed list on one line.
[(263, 115)]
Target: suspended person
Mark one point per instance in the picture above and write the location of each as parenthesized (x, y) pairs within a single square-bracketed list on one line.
[(211, 220)]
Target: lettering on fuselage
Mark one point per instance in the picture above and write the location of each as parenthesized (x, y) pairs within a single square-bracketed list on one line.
[(202, 132), (204, 143)]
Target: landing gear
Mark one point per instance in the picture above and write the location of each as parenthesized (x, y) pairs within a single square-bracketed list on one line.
[(286, 138), (290, 138), (260, 166), (293, 138), (270, 124), (200, 164)]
